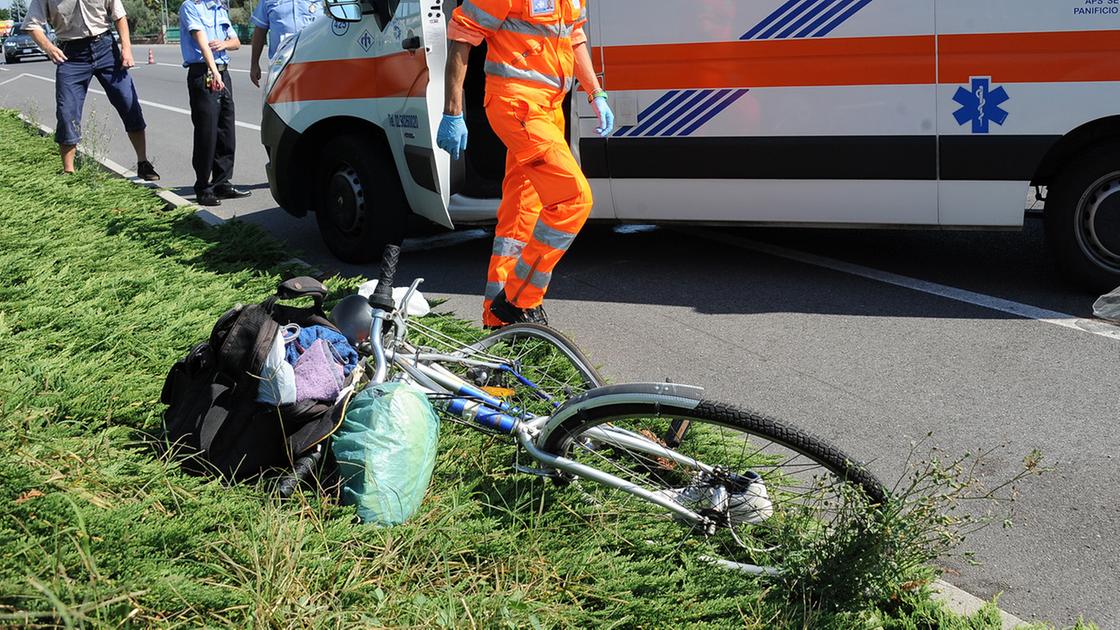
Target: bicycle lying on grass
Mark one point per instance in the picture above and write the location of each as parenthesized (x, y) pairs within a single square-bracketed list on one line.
[(725, 479)]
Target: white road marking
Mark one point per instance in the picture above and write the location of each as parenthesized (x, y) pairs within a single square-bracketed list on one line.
[(1026, 311), (177, 110), (18, 76)]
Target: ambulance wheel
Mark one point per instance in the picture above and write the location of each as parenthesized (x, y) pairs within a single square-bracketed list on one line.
[(360, 206), (1083, 219)]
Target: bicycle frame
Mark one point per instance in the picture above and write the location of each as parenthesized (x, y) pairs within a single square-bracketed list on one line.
[(470, 403)]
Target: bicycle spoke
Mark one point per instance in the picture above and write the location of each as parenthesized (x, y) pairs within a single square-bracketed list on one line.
[(798, 490)]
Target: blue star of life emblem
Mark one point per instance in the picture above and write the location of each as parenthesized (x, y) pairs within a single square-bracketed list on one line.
[(981, 105)]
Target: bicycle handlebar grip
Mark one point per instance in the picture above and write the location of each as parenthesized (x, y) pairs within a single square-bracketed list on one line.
[(389, 261), (383, 295), (302, 471)]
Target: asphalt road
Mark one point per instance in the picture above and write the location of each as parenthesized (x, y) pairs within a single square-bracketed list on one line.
[(801, 324)]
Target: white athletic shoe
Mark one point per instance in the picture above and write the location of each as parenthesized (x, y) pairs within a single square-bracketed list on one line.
[(753, 505)]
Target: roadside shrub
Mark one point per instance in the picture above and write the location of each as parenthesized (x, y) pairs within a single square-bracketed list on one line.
[(875, 555)]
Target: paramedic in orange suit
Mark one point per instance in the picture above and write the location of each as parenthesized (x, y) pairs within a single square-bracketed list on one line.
[(536, 48)]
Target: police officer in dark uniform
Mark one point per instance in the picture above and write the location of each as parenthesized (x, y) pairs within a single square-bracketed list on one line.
[(206, 58)]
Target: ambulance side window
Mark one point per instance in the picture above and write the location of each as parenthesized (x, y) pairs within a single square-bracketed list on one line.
[(384, 10)]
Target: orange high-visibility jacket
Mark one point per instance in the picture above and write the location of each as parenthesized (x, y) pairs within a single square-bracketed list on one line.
[(530, 43)]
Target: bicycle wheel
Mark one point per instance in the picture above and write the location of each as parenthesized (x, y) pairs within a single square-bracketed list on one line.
[(763, 488), (534, 367)]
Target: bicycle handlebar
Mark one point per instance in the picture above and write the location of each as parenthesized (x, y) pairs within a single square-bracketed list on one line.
[(382, 296)]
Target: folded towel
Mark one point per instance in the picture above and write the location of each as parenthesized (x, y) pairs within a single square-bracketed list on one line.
[(319, 375)]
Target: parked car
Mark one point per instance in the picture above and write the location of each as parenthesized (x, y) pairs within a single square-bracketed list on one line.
[(931, 114), (19, 45)]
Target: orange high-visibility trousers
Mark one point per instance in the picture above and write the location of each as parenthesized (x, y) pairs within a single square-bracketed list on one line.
[(545, 201)]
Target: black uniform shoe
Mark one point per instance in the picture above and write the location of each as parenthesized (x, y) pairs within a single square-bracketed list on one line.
[(146, 172), (208, 199), (229, 192), (510, 314)]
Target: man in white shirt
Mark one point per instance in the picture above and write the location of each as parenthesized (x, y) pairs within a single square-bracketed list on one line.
[(86, 49)]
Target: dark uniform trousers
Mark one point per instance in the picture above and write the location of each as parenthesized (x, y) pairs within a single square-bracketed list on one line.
[(215, 130)]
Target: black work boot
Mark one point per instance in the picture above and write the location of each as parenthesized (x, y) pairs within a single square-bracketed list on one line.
[(510, 314)]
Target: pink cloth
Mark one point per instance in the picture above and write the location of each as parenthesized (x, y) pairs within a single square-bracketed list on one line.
[(319, 376)]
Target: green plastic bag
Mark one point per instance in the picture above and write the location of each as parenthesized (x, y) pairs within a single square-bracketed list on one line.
[(386, 450)]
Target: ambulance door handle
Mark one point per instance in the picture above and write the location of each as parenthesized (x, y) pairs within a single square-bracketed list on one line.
[(411, 43)]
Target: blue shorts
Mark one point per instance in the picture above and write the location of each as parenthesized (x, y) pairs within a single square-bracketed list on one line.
[(86, 58)]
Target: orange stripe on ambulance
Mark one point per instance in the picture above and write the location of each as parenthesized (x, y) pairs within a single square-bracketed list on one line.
[(924, 114)]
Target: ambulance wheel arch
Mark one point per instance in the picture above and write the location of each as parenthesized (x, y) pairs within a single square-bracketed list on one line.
[(1083, 217), (356, 190)]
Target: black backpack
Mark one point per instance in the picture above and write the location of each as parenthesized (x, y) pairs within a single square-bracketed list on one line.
[(213, 420)]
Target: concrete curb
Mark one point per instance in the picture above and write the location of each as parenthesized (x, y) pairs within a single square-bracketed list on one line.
[(171, 199), (955, 599), (965, 603)]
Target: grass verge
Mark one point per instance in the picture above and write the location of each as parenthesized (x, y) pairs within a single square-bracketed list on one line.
[(102, 292)]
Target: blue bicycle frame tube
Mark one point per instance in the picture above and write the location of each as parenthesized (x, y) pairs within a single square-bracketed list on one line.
[(460, 387), (483, 415), (528, 383)]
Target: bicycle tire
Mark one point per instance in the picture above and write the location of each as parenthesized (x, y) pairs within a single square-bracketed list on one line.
[(554, 337), (541, 354), (711, 422)]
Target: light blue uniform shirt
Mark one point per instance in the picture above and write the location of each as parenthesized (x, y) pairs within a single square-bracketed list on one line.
[(284, 17), (208, 16)]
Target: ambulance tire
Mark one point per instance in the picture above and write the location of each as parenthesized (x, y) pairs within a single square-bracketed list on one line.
[(1083, 219), (360, 205)]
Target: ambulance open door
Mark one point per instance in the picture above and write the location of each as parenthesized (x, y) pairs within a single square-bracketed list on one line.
[(407, 41)]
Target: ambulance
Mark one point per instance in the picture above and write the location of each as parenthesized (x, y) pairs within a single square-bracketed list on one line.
[(931, 114)]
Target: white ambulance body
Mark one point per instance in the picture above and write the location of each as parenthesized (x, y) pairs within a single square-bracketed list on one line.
[(878, 113)]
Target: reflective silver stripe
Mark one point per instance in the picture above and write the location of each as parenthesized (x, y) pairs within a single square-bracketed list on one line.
[(569, 83), (493, 289), (507, 247), (481, 17), (525, 27), (552, 237), (507, 71), (539, 279)]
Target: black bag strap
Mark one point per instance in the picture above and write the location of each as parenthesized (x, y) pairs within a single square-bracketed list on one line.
[(216, 416), (246, 345)]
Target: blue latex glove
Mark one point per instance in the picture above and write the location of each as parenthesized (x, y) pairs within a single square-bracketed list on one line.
[(606, 117), (452, 135)]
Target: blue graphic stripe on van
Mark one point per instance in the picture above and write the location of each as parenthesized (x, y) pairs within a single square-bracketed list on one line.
[(686, 111), (769, 19), (703, 120), (709, 100), (649, 110), (682, 113), (823, 17), (678, 97), (843, 18), (805, 18), (805, 8)]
